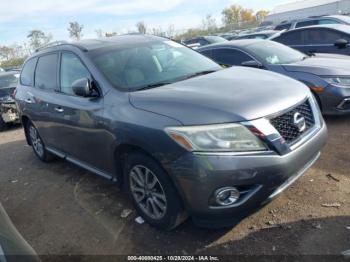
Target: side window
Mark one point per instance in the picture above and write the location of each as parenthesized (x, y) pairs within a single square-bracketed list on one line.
[(322, 36), (306, 23), (27, 74), (46, 72), (207, 53), (72, 69), (203, 42), (290, 38), (282, 27), (328, 21), (230, 57)]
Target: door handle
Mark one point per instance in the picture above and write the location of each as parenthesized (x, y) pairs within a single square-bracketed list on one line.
[(59, 109), (29, 101)]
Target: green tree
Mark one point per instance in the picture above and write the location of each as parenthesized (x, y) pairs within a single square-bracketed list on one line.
[(75, 31)]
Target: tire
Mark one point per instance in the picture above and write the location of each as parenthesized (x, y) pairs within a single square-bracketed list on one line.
[(3, 125), (162, 194), (37, 144)]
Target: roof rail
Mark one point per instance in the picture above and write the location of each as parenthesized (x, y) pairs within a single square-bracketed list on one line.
[(58, 43)]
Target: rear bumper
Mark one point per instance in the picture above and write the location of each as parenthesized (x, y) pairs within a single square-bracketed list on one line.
[(265, 175)]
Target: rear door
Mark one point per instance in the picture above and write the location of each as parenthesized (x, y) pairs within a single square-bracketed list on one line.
[(37, 94), (294, 39)]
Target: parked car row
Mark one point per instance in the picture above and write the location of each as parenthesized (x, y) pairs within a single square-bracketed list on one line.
[(329, 84), (184, 136)]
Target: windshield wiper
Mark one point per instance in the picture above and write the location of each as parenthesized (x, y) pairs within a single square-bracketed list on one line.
[(150, 86), (205, 72)]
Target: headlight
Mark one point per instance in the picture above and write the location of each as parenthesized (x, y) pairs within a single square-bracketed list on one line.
[(216, 138), (338, 81)]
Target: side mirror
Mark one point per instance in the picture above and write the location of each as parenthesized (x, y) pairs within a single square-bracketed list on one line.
[(252, 63), (82, 87), (341, 43)]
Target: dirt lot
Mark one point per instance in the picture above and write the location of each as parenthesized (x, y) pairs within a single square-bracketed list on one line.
[(62, 209)]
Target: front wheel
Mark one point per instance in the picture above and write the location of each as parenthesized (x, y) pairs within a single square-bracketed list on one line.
[(152, 192), (37, 144)]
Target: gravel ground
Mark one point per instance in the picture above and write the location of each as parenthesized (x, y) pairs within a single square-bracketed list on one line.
[(62, 209)]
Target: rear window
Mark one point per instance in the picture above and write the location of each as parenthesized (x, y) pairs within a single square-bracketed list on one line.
[(282, 27), (306, 23), (27, 74), (46, 72)]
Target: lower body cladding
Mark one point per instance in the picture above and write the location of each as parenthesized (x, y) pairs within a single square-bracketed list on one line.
[(220, 190), (335, 100)]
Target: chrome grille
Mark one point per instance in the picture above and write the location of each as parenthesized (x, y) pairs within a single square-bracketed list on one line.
[(284, 124)]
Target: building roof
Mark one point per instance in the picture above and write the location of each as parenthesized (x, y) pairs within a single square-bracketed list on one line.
[(300, 4)]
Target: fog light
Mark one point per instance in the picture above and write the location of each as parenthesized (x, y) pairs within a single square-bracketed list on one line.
[(227, 196)]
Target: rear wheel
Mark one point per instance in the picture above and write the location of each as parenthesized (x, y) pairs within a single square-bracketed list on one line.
[(152, 192), (37, 144)]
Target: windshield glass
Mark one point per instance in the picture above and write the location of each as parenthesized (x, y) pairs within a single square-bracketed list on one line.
[(150, 63), (274, 53), (7, 80)]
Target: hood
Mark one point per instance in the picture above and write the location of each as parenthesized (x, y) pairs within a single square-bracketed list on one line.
[(320, 65), (229, 95)]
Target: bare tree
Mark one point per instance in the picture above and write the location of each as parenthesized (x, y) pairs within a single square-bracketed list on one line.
[(209, 24), (141, 27), (99, 33), (75, 30), (38, 38), (170, 32)]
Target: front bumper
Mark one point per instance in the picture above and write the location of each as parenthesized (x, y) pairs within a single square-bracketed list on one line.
[(335, 100), (265, 174)]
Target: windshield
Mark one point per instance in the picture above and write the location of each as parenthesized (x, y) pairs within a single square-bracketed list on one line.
[(150, 64), (274, 53), (7, 81)]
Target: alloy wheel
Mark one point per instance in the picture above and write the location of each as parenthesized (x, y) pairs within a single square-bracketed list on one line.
[(36, 141), (148, 192)]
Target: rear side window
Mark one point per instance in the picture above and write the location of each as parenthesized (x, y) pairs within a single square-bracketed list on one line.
[(72, 69), (27, 74), (323, 36), (282, 27), (290, 38), (230, 57), (306, 23), (328, 22), (46, 72)]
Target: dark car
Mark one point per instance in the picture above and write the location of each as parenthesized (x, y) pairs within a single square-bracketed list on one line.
[(184, 136), (203, 40), (330, 84), (317, 39), (316, 20), (258, 35), (8, 110), (13, 246)]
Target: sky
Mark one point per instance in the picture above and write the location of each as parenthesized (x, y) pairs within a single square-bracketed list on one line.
[(18, 17)]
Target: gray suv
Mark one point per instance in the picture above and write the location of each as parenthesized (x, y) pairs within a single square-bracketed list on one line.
[(182, 135)]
